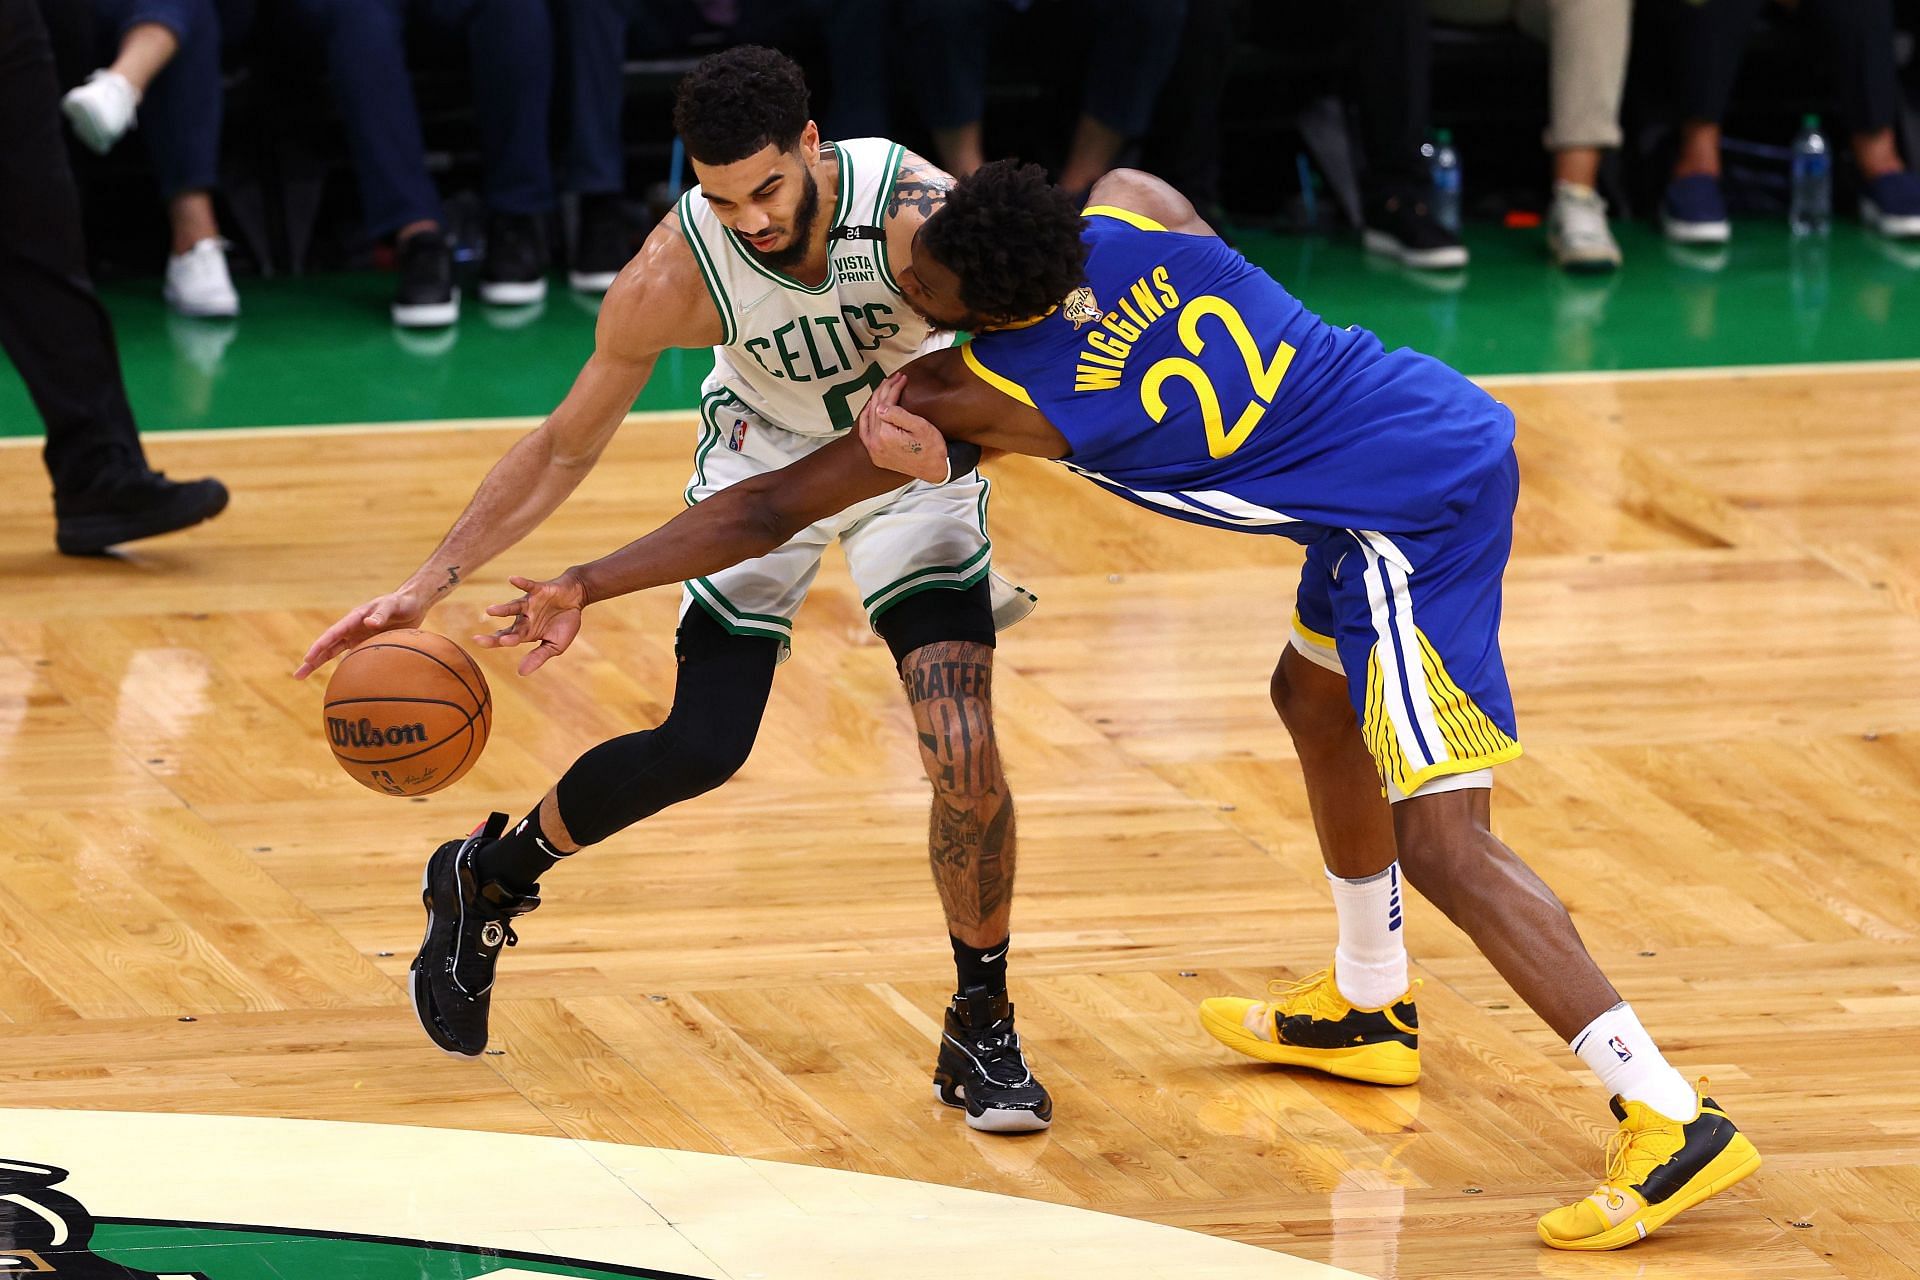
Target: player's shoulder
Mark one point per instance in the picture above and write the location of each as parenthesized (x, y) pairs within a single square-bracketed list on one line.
[(916, 188), (661, 298), (1152, 204)]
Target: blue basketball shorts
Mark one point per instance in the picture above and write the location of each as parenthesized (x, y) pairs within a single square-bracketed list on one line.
[(1414, 626)]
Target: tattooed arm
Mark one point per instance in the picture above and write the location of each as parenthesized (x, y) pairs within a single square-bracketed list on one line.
[(919, 188), (970, 833)]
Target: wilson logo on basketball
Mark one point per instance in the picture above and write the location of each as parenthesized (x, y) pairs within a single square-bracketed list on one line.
[(364, 733)]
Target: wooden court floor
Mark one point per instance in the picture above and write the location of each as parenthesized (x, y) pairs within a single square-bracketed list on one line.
[(1713, 627)]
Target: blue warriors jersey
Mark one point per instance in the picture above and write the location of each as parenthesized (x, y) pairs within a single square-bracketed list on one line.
[(1189, 381)]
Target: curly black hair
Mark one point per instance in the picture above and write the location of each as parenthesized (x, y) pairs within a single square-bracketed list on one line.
[(736, 102), (1012, 238)]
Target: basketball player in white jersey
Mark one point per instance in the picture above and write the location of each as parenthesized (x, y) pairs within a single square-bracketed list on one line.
[(784, 260)]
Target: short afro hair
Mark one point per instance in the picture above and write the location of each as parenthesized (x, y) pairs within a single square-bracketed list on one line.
[(1012, 238), (734, 103)]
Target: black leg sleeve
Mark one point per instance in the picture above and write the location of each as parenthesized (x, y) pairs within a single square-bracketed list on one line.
[(718, 699)]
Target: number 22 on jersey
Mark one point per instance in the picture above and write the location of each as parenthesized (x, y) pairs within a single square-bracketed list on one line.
[(1265, 374)]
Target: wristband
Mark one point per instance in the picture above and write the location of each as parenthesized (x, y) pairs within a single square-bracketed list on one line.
[(962, 457)]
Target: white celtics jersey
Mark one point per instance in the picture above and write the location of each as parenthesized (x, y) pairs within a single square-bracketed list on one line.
[(806, 358)]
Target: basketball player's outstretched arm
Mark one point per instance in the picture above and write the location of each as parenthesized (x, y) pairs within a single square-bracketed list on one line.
[(741, 522), (658, 301)]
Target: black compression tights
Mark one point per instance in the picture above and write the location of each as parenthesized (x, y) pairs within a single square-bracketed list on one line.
[(718, 697)]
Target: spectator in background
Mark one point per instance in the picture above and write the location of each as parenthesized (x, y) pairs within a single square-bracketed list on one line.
[(1134, 43), (511, 46), (597, 35), (54, 329), (1707, 43), (1392, 90), (166, 56), (1587, 42), (854, 37)]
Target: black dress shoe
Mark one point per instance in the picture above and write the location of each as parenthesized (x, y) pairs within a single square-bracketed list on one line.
[(125, 508)]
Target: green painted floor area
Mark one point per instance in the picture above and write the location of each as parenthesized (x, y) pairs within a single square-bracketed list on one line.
[(229, 1253), (320, 350)]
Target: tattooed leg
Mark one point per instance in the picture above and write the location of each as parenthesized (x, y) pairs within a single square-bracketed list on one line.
[(970, 832)]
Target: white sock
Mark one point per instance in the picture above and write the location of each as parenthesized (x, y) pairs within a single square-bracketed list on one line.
[(1370, 963), (1619, 1050)]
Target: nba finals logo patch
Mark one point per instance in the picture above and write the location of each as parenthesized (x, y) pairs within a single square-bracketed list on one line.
[(1620, 1049), (1080, 308), (737, 438)]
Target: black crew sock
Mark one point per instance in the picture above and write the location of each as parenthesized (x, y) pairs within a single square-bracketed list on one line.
[(519, 858), (984, 968)]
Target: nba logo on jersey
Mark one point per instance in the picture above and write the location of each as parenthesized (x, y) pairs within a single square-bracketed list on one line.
[(1620, 1049), (738, 436)]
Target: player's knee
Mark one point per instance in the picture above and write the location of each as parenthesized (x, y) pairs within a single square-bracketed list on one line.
[(702, 754), (1316, 711), (962, 757)]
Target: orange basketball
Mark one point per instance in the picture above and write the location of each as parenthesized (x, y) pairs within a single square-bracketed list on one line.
[(407, 712)]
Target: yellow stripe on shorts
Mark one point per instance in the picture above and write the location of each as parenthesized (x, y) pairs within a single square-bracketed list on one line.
[(1473, 740), (1313, 637)]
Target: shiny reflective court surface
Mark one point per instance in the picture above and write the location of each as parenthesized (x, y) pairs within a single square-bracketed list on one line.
[(321, 349), (1713, 628)]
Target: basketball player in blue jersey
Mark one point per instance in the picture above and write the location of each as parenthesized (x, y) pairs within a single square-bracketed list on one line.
[(1132, 346)]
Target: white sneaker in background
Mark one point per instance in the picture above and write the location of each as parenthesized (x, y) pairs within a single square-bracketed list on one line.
[(1577, 233), (101, 110), (198, 283)]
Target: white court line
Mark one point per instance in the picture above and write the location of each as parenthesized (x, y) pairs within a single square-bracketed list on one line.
[(1702, 372), (680, 415), (369, 428)]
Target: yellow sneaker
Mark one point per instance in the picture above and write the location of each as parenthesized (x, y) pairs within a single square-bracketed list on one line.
[(1310, 1024), (1656, 1168)]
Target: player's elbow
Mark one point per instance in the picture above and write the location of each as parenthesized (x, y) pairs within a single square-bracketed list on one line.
[(762, 520)]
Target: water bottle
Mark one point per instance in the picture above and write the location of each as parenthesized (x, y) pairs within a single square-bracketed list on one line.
[(1443, 164), (1811, 207)]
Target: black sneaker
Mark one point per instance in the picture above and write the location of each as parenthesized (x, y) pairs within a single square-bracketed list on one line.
[(451, 980), (602, 247), (427, 297), (515, 271), (1403, 227), (125, 508), (982, 1068)]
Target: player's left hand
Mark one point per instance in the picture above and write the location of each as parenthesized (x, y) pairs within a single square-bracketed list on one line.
[(546, 617), (901, 441)]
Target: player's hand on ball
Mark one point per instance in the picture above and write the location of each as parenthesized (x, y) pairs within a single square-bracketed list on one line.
[(901, 441), (395, 611), (546, 617)]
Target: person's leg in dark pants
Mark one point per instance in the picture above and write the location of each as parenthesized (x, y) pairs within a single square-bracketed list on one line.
[(946, 43), (511, 44), (596, 41), (53, 327), (364, 45), (1134, 46), (1393, 87), (1392, 84), (1188, 154), (1860, 34), (180, 121), (594, 46)]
